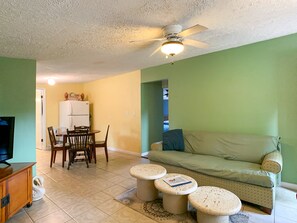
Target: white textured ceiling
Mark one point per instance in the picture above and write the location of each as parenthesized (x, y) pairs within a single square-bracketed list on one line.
[(84, 40)]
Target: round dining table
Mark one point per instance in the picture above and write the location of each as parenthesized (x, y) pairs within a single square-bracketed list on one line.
[(92, 143)]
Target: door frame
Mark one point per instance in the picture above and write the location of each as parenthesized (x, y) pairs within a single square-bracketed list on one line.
[(43, 117)]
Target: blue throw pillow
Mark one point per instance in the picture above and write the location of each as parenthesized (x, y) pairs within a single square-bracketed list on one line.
[(173, 140)]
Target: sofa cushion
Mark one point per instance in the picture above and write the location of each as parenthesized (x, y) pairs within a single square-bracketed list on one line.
[(245, 172), (169, 157), (242, 147), (173, 140)]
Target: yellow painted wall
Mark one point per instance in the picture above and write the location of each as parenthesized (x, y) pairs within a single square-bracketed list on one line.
[(53, 95), (116, 101)]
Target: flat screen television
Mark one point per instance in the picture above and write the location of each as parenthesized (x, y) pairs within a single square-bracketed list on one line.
[(6, 138)]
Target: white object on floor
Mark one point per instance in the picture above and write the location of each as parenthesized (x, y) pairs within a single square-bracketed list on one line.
[(146, 174), (38, 189), (175, 199), (214, 204)]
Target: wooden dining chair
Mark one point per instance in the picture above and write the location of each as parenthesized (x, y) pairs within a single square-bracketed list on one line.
[(101, 144), (56, 147), (84, 127), (78, 140)]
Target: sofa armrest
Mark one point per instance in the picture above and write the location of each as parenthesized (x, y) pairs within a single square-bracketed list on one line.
[(273, 162), (157, 146)]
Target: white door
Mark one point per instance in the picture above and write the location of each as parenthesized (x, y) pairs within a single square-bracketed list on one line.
[(40, 117)]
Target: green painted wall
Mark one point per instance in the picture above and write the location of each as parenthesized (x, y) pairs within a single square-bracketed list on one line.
[(17, 98), (249, 89), (151, 114)]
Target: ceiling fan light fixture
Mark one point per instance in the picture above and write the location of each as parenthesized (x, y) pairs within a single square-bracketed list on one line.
[(172, 47)]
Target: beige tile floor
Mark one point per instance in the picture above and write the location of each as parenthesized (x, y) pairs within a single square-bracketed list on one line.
[(85, 195)]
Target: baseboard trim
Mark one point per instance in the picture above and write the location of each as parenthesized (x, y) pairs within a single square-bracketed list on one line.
[(289, 186), (124, 151), (47, 148)]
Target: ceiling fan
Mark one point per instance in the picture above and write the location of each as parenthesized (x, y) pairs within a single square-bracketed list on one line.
[(174, 39)]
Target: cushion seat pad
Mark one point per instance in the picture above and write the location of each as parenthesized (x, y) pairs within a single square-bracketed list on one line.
[(241, 171)]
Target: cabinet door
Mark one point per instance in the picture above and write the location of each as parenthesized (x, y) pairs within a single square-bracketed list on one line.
[(19, 187)]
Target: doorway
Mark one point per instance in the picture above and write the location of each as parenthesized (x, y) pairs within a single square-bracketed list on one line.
[(165, 105), (154, 116), (40, 119)]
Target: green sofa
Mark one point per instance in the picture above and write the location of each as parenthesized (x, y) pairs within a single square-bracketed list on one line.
[(247, 165)]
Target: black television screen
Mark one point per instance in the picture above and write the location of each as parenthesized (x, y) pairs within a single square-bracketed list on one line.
[(6, 138)]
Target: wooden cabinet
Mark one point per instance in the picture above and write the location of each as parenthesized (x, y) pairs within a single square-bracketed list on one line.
[(2, 210), (15, 189)]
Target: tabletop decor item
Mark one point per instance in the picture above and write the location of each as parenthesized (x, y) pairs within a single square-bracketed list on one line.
[(73, 96)]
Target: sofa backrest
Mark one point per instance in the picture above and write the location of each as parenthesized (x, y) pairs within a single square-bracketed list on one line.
[(242, 147)]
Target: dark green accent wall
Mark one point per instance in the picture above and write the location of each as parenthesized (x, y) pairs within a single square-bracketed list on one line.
[(17, 98), (249, 89)]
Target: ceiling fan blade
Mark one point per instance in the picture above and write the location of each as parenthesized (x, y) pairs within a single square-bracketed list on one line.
[(195, 43), (192, 30), (146, 40), (158, 49)]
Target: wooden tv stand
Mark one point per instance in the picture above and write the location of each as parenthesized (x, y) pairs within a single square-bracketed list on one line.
[(15, 189)]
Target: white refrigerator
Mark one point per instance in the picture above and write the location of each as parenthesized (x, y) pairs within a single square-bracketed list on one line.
[(74, 113)]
